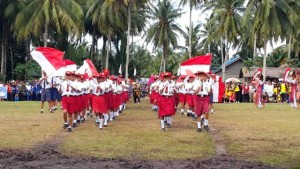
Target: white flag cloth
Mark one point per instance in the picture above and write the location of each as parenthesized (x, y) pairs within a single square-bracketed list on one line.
[(134, 72), (88, 67), (120, 69)]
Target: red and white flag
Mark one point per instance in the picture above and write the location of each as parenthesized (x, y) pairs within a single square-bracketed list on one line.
[(195, 64), (286, 74), (69, 66), (259, 71), (88, 67), (49, 59)]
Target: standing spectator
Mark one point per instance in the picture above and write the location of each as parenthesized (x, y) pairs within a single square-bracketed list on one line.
[(252, 91), (136, 93), (28, 91), (13, 90), (246, 89), (283, 92)]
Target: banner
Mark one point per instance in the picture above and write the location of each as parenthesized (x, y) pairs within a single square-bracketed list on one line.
[(3, 92)]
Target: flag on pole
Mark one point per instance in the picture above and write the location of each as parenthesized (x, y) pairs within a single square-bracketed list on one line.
[(195, 64), (69, 66), (134, 72), (49, 59), (88, 67), (120, 69)]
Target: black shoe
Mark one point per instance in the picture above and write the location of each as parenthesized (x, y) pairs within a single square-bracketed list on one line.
[(78, 121), (162, 129), (97, 123), (198, 130), (65, 126), (91, 116), (82, 120), (188, 114), (51, 111), (74, 125), (206, 127), (166, 122), (120, 112), (69, 129), (104, 125), (169, 125), (182, 113), (42, 111)]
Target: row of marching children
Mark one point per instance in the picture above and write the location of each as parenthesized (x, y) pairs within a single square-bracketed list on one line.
[(193, 92), (102, 95)]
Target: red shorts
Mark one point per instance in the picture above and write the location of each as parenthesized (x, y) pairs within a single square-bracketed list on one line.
[(69, 104), (166, 106), (100, 104), (201, 105), (182, 98), (116, 101), (189, 100)]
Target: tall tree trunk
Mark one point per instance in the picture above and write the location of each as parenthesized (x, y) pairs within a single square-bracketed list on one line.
[(265, 62), (165, 56), (290, 46), (46, 34), (12, 62), (103, 54), (92, 54), (128, 42), (4, 44), (190, 31), (107, 52), (254, 48), (223, 62)]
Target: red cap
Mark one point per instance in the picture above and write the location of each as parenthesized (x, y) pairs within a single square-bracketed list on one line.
[(200, 73), (183, 76), (167, 74), (106, 71), (112, 77), (102, 75), (174, 77), (69, 73)]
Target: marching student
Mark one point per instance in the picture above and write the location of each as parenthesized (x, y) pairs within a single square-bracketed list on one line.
[(181, 94), (67, 90), (166, 101), (202, 89), (259, 102), (45, 92), (154, 93), (189, 84), (292, 80), (99, 101)]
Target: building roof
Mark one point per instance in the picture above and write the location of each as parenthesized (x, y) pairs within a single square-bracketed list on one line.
[(232, 60)]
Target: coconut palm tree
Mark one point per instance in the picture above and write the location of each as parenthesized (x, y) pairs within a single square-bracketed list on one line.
[(224, 24), (272, 20), (39, 15), (164, 30), (192, 4)]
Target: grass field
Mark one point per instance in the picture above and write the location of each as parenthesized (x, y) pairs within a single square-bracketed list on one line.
[(270, 135)]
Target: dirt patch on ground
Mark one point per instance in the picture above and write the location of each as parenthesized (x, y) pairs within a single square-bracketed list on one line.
[(47, 155)]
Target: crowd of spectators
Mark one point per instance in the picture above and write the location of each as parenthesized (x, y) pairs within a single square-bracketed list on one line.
[(18, 90), (273, 92)]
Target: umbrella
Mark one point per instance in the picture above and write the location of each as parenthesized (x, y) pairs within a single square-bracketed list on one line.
[(233, 80)]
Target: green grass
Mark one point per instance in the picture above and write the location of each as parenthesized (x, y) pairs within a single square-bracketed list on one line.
[(22, 125), (270, 135), (136, 134)]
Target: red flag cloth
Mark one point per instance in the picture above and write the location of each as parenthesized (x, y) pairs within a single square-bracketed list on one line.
[(49, 59), (259, 71), (69, 66), (286, 74), (88, 67), (195, 64)]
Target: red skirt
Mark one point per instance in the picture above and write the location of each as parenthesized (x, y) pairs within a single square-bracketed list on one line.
[(189, 100), (166, 106), (91, 96), (100, 104), (201, 105), (116, 101), (182, 98), (110, 100), (68, 104)]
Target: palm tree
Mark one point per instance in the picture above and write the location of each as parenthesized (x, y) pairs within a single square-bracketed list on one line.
[(192, 4), (39, 15), (163, 32), (224, 24), (108, 16), (194, 39), (132, 6), (272, 20)]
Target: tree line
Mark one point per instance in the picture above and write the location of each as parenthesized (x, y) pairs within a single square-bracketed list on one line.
[(248, 25)]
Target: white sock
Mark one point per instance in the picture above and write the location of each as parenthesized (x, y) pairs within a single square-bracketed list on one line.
[(101, 124), (105, 118), (165, 118), (199, 125), (78, 118), (42, 109), (162, 122), (205, 122), (212, 110), (169, 120), (111, 115), (182, 110), (124, 106), (97, 119), (202, 116), (152, 107), (74, 121), (121, 107)]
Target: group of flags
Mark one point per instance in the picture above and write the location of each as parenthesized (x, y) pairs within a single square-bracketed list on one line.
[(53, 63)]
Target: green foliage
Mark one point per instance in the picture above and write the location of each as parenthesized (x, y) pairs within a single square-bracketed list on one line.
[(27, 71)]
